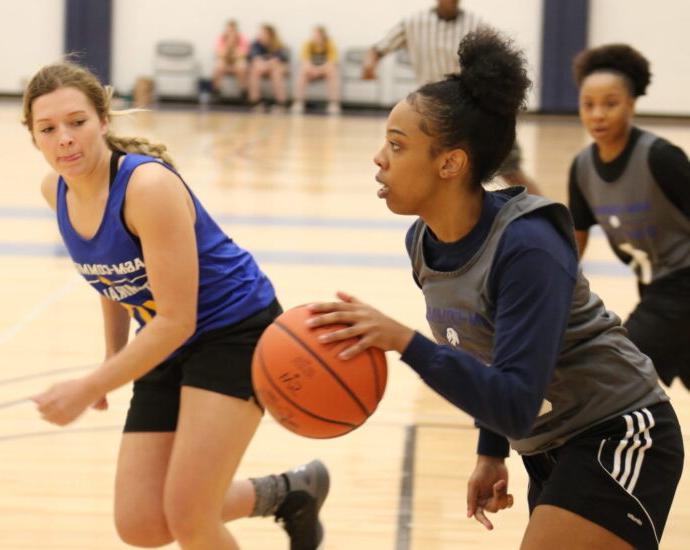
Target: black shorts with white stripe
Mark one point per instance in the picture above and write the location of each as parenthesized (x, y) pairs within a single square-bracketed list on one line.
[(621, 474)]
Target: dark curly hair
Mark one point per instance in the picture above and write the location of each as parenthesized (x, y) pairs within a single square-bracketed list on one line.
[(616, 58), (476, 109)]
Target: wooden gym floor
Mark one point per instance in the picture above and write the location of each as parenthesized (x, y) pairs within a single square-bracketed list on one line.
[(298, 192)]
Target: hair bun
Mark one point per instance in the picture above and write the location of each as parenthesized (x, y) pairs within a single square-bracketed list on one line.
[(492, 72)]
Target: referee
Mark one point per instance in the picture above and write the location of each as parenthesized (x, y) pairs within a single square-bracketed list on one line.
[(431, 37)]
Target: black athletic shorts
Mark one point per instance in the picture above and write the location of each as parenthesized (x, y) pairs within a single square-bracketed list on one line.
[(660, 326), (620, 474), (218, 360)]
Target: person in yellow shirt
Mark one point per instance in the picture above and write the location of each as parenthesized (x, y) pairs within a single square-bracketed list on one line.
[(319, 60)]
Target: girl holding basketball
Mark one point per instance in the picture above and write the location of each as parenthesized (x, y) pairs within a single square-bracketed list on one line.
[(636, 186), (140, 237), (521, 343)]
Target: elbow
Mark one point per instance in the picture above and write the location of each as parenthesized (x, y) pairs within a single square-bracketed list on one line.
[(180, 331), (519, 429), (513, 423), (187, 330), (520, 421), (178, 328), (186, 320), (187, 326)]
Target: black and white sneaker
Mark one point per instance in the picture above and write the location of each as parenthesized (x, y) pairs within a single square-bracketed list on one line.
[(299, 513)]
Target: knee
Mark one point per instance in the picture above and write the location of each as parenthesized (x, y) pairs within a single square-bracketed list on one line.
[(139, 528), (187, 523)]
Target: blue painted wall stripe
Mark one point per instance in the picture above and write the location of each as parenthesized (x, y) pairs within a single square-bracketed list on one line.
[(564, 33)]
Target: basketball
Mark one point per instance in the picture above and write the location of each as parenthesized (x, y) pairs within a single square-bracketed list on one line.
[(306, 387)]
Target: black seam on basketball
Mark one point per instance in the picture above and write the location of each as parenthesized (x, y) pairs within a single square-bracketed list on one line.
[(325, 366), (262, 363)]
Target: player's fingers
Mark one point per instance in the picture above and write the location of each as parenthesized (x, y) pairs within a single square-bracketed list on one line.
[(494, 504), (50, 415), (500, 488), (497, 504), (501, 498), (101, 404), (480, 516), (340, 334), (353, 350), (345, 297), (330, 318), (43, 402), (43, 397), (472, 498), (326, 307)]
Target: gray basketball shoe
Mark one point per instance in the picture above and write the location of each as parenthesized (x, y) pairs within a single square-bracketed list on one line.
[(299, 513)]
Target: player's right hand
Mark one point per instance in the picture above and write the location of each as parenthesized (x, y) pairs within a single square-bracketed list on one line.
[(368, 326), (101, 404), (64, 402)]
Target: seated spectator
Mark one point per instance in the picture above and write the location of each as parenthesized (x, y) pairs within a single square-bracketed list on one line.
[(319, 60), (232, 48), (268, 58)]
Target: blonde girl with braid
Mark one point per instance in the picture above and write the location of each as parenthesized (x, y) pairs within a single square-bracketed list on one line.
[(138, 145), (140, 237)]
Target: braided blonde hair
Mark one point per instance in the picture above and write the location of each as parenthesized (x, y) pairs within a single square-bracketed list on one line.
[(68, 74), (138, 145)]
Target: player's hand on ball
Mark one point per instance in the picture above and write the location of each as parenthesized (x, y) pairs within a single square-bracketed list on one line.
[(371, 327)]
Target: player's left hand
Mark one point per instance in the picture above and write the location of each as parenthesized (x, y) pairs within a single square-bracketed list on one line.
[(371, 327), (487, 489), (64, 402)]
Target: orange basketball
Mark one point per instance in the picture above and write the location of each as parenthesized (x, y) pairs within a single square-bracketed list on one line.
[(306, 387)]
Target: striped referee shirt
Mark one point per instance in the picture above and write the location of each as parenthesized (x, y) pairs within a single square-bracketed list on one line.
[(431, 42)]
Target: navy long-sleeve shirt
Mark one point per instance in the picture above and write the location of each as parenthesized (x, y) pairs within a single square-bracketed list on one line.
[(531, 284)]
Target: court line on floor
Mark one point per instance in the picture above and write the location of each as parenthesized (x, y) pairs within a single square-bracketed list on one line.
[(37, 310), (43, 374), (7, 404), (60, 431), (403, 538)]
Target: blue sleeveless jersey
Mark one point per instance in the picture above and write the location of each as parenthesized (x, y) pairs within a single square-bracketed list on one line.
[(231, 285)]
